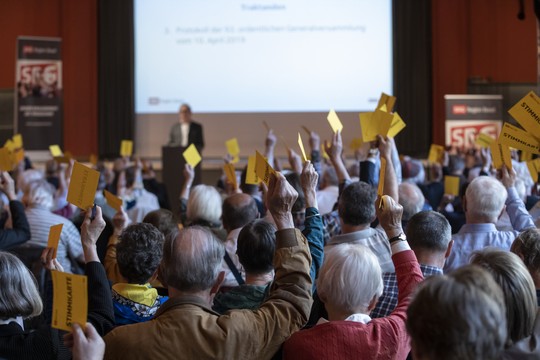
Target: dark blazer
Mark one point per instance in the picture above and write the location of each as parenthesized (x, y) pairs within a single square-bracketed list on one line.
[(21, 230), (195, 135)]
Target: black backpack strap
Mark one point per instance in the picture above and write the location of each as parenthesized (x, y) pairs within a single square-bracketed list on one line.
[(233, 268)]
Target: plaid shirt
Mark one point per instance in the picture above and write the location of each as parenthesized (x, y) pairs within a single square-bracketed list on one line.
[(389, 299)]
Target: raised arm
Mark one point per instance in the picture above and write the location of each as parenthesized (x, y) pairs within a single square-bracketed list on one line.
[(334, 151), (313, 226), (287, 307), (390, 180), (518, 214)]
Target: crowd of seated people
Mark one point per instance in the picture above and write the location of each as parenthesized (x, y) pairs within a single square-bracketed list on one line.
[(320, 263)]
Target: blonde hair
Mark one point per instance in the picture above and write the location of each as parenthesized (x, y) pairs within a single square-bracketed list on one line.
[(19, 295)]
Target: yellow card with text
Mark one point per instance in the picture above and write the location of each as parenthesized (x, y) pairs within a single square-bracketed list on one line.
[(231, 174), (251, 175), (6, 163), (436, 153), (192, 156), (83, 186), (334, 121), (54, 237), (126, 148), (534, 168), (114, 201), (484, 140), (396, 126), (451, 185), (232, 147), (17, 141), (301, 145), (387, 100), (70, 300), (515, 137), (55, 151), (382, 173), (500, 154), (263, 168), (527, 113)]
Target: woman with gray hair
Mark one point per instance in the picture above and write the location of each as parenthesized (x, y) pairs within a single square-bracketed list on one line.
[(20, 300), (349, 285)]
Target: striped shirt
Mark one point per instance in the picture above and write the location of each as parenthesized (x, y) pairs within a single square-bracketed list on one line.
[(69, 246)]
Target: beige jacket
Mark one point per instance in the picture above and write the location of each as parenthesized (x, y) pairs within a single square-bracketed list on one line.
[(185, 327)]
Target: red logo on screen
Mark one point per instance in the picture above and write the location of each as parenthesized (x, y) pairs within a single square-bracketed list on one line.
[(28, 49), (465, 136), (459, 109)]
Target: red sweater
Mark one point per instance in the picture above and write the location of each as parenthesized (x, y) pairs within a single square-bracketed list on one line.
[(383, 338)]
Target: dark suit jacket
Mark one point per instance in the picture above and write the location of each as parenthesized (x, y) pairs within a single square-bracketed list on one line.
[(195, 135)]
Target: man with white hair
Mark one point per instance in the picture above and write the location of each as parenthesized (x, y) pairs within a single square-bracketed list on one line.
[(38, 198), (483, 203), (185, 326)]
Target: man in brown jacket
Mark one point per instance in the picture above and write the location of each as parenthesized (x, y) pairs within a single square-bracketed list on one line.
[(186, 327)]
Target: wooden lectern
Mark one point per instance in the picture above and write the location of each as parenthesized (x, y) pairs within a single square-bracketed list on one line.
[(173, 174)]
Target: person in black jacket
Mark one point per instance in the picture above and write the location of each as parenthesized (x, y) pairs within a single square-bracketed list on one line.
[(20, 231), (19, 299)]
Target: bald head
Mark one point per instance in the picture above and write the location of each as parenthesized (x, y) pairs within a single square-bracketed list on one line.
[(238, 210), (192, 260), (411, 198)]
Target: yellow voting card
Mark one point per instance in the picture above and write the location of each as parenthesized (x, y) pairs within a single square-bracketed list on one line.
[(500, 154), (387, 100), (484, 140), (451, 185), (263, 168), (83, 186), (126, 148), (251, 175), (527, 113), (55, 151), (54, 237), (6, 162), (301, 145), (192, 156), (18, 156), (70, 300), (534, 168), (356, 143), (436, 153), (231, 174), (396, 126), (323, 152), (232, 147), (17, 141), (114, 201), (525, 156), (334, 121), (10, 145), (515, 137), (382, 173), (375, 123)]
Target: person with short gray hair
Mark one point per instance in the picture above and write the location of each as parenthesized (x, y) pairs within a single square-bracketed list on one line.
[(484, 202), (185, 326), (412, 199)]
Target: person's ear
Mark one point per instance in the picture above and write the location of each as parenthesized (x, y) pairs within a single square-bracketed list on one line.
[(373, 303), (217, 284), (449, 249)]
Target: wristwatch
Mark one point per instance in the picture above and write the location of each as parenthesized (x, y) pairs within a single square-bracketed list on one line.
[(396, 239)]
